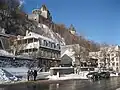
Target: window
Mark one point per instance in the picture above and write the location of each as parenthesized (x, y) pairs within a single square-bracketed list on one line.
[(21, 51), (116, 64), (117, 69), (30, 40), (44, 42), (26, 50), (19, 42), (108, 55), (42, 52), (35, 40), (25, 41), (112, 59), (48, 54), (54, 46), (34, 49), (112, 54), (49, 44), (113, 64), (59, 46), (55, 55), (30, 50)]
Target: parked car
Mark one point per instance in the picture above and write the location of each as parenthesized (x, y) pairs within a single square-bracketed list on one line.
[(93, 75), (104, 75)]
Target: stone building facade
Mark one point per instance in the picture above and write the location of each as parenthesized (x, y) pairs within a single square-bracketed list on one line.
[(41, 15)]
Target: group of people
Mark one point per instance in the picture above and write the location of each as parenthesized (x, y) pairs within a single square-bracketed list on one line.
[(31, 74)]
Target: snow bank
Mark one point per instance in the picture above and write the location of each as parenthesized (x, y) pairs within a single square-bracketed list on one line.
[(67, 77), (22, 72), (6, 77), (50, 34), (17, 71)]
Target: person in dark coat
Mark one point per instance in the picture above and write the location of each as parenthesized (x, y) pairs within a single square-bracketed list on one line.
[(28, 75), (35, 74)]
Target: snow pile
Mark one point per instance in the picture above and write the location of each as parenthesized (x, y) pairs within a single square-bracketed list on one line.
[(50, 34), (20, 71), (6, 77), (67, 77)]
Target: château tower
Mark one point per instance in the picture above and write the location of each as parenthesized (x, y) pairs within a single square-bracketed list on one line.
[(72, 29)]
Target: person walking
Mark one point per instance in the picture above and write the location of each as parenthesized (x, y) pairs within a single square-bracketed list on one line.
[(35, 74), (31, 74), (28, 75)]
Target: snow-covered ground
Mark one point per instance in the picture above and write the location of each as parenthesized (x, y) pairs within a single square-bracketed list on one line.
[(21, 72), (50, 34), (67, 77), (6, 77)]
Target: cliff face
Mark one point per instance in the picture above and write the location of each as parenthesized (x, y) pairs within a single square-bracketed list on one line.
[(14, 23)]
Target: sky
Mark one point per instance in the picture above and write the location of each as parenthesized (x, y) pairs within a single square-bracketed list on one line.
[(97, 20)]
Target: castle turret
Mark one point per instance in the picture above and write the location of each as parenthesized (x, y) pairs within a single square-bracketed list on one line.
[(41, 15), (72, 29)]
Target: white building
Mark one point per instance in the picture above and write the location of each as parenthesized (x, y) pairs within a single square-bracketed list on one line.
[(72, 51), (108, 57), (39, 47)]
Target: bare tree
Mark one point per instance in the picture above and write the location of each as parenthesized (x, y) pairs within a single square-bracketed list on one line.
[(105, 57), (80, 54), (16, 48)]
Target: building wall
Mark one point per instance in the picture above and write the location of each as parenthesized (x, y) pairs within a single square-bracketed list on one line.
[(112, 57), (34, 17), (41, 15), (73, 32)]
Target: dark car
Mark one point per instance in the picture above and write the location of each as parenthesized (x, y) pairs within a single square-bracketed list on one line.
[(105, 75), (93, 75)]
